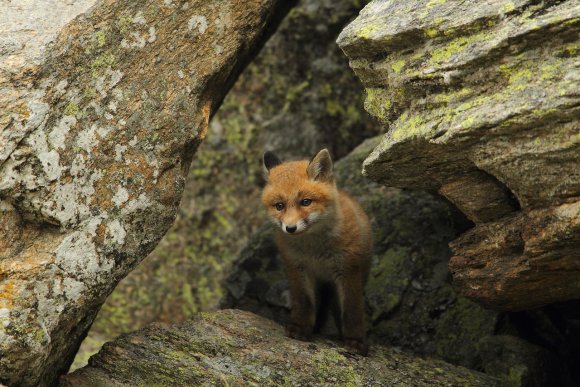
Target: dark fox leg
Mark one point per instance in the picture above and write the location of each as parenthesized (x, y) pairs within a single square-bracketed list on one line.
[(303, 312), (350, 292)]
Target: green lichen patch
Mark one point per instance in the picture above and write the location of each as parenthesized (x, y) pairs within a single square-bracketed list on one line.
[(379, 103), (458, 111), (456, 46), (368, 31), (101, 38), (398, 65), (71, 109), (101, 63)]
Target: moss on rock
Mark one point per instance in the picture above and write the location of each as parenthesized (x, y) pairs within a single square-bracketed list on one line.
[(238, 348)]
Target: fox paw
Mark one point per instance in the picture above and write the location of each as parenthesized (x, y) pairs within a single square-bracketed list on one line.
[(358, 345), (297, 332)]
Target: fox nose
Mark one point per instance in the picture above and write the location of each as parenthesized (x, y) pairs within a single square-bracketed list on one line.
[(291, 229)]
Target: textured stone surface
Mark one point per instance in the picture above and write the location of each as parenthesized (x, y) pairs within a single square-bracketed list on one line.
[(296, 97), (239, 348), (480, 100), (98, 129), (26, 28)]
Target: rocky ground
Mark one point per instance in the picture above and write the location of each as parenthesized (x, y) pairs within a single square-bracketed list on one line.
[(233, 347)]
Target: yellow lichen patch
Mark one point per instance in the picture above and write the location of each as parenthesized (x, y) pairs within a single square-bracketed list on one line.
[(508, 7), (433, 3), (100, 38), (517, 78), (550, 70), (101, 63), (449, 32), (431, 32), (407, 127), (368, 31), (572, 49), (397, 66), (456, 46), (71, 109), (124, 23), (466, 123), (378, 103), (454, 96)]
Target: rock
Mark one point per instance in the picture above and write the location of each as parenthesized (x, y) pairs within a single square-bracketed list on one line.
[(480, 101), (296, 97), (237, 348), (101, 116), (523, 363)]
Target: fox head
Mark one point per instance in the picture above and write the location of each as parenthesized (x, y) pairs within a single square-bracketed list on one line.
[(299, 195)]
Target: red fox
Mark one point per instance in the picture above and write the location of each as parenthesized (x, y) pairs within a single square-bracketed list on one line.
[(325, 240)]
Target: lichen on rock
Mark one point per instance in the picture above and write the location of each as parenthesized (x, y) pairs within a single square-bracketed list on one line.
[(480, 102), (233, 347)]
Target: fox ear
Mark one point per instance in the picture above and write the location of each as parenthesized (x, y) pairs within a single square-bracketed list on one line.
[(269, 161), (320, 168)]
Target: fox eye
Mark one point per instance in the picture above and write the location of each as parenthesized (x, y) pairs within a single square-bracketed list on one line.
[(279, 206), (305, 202)]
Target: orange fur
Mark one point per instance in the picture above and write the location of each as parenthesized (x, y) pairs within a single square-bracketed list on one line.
[(332, 245)]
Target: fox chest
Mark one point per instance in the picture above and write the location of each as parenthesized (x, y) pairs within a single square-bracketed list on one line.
[(322, 261)]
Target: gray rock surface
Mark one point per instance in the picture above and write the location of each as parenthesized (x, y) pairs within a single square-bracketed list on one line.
[(97, 132), (27, 27), (480, 101), (233, 347)]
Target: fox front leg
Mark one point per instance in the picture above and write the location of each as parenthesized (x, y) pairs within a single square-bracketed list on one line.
[(303, 312)]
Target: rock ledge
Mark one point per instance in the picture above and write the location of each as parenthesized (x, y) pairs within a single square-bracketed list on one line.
[(233, 347)]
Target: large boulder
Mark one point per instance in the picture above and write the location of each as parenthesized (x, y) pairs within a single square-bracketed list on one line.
[(233, 347), (297, 96), (101, 116), (480, 100)]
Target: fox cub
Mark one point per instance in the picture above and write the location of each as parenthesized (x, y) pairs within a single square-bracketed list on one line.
[(325, 240)]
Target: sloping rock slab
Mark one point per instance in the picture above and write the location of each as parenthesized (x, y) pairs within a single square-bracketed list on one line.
[(97, 132), (233, 347), (481, 103)]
